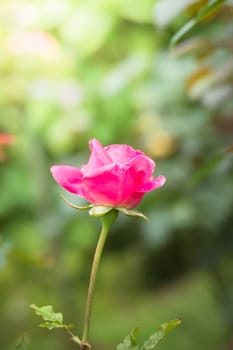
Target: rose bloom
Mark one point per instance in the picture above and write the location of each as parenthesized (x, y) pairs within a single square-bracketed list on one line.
[(115, 176)]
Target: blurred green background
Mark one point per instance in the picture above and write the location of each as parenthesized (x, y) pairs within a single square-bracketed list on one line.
[(72, 70)]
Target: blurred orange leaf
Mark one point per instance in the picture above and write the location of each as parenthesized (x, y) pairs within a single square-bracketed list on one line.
[(199, 74), (6, 139)]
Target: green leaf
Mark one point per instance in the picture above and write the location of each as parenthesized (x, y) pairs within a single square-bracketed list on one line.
[(47, 313), (130, 342), (22, 344), (51, 318), (204, 12), (134, 213), (162, 331), (182, 31), (99, 210)]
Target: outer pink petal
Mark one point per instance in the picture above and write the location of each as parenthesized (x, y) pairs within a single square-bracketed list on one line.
[(69, 178), (98, 157), (110, 186), (152, 184), (133, 201), (121, 154), (143, 167)]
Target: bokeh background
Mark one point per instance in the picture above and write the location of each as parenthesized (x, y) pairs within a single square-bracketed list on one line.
[(72, 70)]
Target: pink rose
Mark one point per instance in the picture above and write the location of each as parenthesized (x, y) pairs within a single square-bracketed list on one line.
[(115, 176)]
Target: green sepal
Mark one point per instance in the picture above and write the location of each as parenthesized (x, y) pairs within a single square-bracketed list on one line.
[(134, 213), (87, 207), (161, 332), (130, 342), (22, 345), (99, 210), (52, 319)]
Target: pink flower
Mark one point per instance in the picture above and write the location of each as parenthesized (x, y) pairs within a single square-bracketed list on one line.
[(115, 176)]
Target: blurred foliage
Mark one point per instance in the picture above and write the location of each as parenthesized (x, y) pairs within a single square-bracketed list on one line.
[(73, 70)]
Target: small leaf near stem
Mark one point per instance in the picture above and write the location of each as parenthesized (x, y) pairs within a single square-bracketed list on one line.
[(161, 332), (47, 313), (51, 319), (107, 220)]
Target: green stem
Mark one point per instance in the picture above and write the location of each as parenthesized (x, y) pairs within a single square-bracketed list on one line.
[(107, 221)]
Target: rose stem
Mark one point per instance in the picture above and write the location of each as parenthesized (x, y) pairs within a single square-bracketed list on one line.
[(107, 221)]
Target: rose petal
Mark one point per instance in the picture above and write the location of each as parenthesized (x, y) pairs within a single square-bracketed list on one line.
[(98, 157), (143, 167), (69, 178), (133, 201), (111, 185), (153, 184), (121, 154)]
